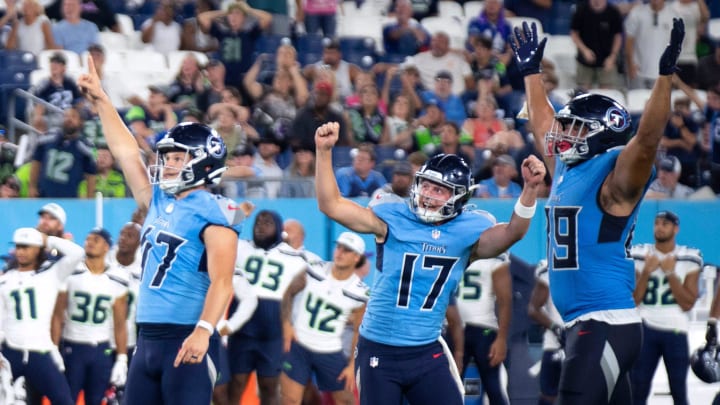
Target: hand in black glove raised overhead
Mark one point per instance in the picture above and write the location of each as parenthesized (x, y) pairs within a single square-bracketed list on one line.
[(711, 333), (528, 53), (669, 58)]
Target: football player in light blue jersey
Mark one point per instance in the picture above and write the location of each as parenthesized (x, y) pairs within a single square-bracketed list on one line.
[(188, 244), (423, 248), (599, 178)]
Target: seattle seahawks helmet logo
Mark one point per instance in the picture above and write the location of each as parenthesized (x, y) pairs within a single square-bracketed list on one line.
[(616, 119), (215, 146)]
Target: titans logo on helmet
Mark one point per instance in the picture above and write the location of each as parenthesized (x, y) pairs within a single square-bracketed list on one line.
[(616, 119), (215, 146)]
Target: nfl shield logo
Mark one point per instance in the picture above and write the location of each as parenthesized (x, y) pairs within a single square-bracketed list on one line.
[(435, 234), (374, 361)]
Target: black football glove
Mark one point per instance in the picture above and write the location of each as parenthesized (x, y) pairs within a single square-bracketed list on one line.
[(669, 58), (528, 53), (711, 333), (559, 332)]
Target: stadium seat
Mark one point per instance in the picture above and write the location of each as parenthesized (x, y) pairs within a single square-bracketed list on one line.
[(614, 94), (702, 94), (114, 60), (357, 49), (714, 29), (175, 59), (126, 24), (361, 26), (561, 50), (455, 27), (113, 40), (268, 43), (449, 8), (73, 59), (37, 76), (18, 60), (145, 61), (636, 100), (473, 8), (341, 156)]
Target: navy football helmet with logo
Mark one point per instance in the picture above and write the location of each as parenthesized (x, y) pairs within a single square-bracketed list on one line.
[(586, 126), (204, 160), (450, 171), (704, 363)]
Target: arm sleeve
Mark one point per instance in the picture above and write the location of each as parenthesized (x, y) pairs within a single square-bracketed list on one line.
[(248, 303), (72, 254)]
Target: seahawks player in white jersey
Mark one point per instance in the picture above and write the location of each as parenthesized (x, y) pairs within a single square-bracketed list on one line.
[(327, 297), (27, 300), (666, 288), (91, 294), (486, 287)]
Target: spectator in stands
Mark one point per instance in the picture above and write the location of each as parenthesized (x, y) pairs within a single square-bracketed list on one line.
[(226, 120), (410, 85), (189, 82), (161, 31), (215, 75), (667, 184), (486, 66), (366, 122), (287, 93), (492, 25), (32, 32), (417, 159), (72, 32), (62, 159), (148, 120), (236, 30), (9, 187), (681, 140), (451, 142), (315, 114), (193, 38), (438, 58), (695, 15), (268, 149), (116, 89), (443, 95), (646, 29), (364, 78), (397, 123), (241, 167), (300, 173), (708, 71), (420, 8), (596, 29), (278, 9), (399, 187), (108, 181), (345, 72), (426, 128), (99, 12), (538, 9), (406, 36), (360, 179), (318, 16), (486, 122), (501, 184), (59, 90)]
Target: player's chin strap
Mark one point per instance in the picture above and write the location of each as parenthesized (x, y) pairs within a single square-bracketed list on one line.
[(453, 367)]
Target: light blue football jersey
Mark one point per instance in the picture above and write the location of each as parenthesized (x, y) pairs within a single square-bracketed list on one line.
[(588, 249), (174, 262), (418, 267)]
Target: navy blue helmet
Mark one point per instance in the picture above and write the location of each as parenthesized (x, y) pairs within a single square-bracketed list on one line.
[(704, 363), (449, 171)]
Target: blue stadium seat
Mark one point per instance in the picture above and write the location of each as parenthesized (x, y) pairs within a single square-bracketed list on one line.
[(17, 61), (267, 43), (309, 43), (309, 58), (341, 156), (394, 58)]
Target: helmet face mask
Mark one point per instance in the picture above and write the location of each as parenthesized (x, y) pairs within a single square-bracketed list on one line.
[(449, 172), (586, 126), (203, 152)]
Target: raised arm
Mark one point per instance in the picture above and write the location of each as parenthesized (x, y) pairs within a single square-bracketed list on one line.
[(528, 56), (500, 237), (625, 184), (121, 142), (330, 202)]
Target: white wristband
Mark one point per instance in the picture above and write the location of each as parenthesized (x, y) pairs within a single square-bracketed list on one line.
[(205, 325), (524, 211)]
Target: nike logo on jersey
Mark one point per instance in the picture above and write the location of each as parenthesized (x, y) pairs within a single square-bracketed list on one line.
[(436, 355), (584, 332)]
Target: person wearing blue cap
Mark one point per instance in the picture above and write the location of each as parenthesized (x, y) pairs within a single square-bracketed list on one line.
[(93, 296), (665, 290)]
